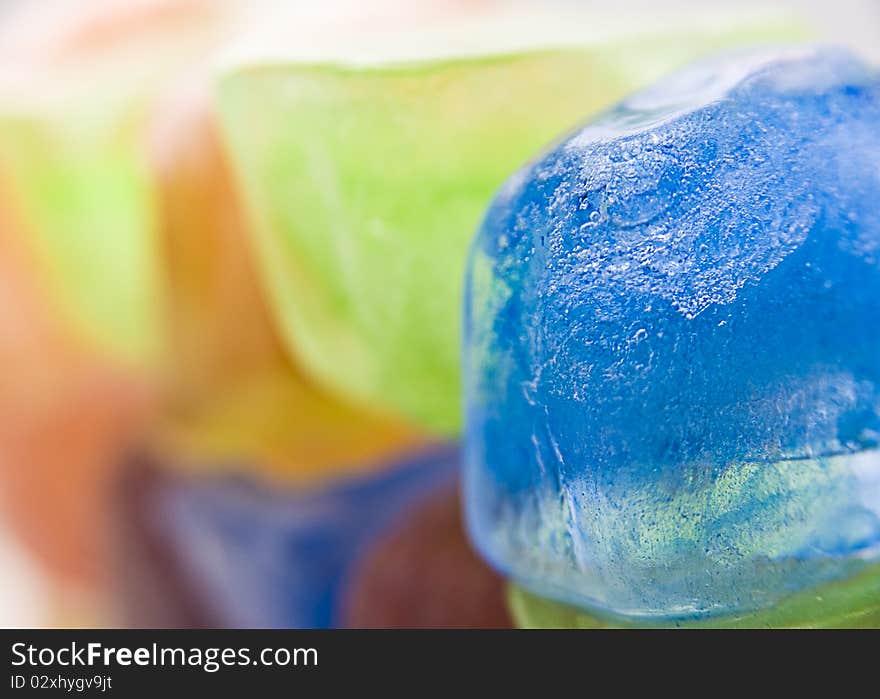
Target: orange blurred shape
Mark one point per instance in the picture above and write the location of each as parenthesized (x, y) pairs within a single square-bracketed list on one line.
[(64, 419), (234, 396), (66, 415), (219, 331)]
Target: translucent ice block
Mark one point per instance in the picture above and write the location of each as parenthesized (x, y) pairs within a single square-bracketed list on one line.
[(366, 169), (672, 356), (234, 395), (76, 87), (253, 556), (78, 274)]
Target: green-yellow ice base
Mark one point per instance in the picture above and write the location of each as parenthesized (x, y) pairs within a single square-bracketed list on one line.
[(849, 604)]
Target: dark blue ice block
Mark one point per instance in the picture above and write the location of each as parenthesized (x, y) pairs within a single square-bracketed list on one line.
[(262, 556)]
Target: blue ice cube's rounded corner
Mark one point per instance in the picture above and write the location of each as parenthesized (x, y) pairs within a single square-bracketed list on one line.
[(672, 348)]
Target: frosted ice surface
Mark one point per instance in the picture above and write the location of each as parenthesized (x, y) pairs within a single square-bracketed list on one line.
[(672, 351)]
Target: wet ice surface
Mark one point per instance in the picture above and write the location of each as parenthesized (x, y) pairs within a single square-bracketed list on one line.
[(672, 351)]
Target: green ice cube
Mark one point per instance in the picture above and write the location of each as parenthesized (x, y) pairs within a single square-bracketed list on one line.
[(85, 199), (365, 182)]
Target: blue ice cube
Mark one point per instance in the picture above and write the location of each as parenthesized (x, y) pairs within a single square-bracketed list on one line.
[(259, 556), (672, 344)]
